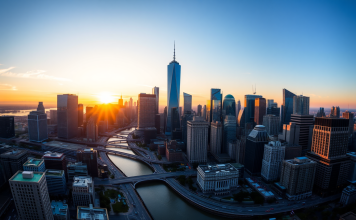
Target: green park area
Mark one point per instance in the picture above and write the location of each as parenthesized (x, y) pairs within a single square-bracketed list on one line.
[(106, 195)]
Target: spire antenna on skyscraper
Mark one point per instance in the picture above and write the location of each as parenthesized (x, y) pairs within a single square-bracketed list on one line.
[(174, 53)]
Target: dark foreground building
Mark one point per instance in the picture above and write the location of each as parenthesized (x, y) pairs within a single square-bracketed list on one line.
[(7, 127)]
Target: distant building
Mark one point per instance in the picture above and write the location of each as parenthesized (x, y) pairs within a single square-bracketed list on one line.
[(89, 157), (173, 151), (7, 127), (290, 134), (187, 116), (80, 115), (76, 169), (215, 105), (158, 123), (30, 194), (36, 165), (238, 108), (320, 113), (56, 182), (241, 119), (41, 108), (84, 213), (67, 116), (92, 130), (215, 138), (260, 110), (348, 195), (292, 151), (350, 116), (12, 161), (301, 105), (255, 143), (229, 131), (305, 123), (249, 108), (83, 191), (219, 179), (274, 110), (333, 165), (273, 157), (287, 107), (155, 91), (352, 174), (229, 106), (37, 126), (88, 113), (297, 176), (53, 116), (197, 140), (187, 100), (272, 124), (199, 111), (233, 150), (335, 112), (60, 210), (146, 110)]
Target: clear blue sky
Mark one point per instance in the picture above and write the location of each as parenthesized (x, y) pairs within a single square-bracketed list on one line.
[(88, 47)]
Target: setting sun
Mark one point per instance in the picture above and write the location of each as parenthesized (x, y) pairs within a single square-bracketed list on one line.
[(106, 97)]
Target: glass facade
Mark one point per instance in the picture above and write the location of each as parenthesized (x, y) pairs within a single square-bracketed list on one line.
[(250, 107), (229, 106), (67, 116), (216, 105), (173, 91), (287, 108), (187, 102)]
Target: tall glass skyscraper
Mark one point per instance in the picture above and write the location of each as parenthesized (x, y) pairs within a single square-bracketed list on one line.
[(216, 105), (187, 103), (287, 108), (67, 116), (229, 106), (250, 108), (173, 91)]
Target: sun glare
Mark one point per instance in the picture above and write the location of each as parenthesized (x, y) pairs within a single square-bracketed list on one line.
[(106, 97)]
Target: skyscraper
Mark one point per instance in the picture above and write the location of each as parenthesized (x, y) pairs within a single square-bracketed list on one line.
[(146, 110), (89, 157), (80, 114), (7, 127), (173, 91), (155, 90), (321, 113), (229, 106), (270, 103), (204, 112), (30, 193), (273, 157), (229, 132), (12, 161), (249, 108), (37, 126), (197, 138), (199, 111), (272, 124), (92, 130), (215, 138), (67, 116), (88, 113), (329, 148), (41, 108), (287, 107), (53, 116), (301, 105), (216, 105), (350, 116), (272, 108), (187, 102), (260, 110), (255, 143), (56, 161), (238, 108), (335, 112), (175, 120), (187, 116), (83, 191), (121, 102)]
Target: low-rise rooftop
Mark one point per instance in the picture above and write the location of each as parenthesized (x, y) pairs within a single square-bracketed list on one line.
[(59, 208), (49, 154), (27, 176), (33, 162), (218, 168), (82, 181), (51, 172), (92, 213)]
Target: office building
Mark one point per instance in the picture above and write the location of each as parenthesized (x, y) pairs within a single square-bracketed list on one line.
[(88, 113), (76, 169), (272, 108), (290, 134), (234, 150), (215, 105), (36, 165), (60, 210), (335, 112), (204, 112), (83, 191), (56, 182), (348, 195), (350, 116), (80, 115), (272, 124), (292, 151), (89, 157), (173, 151), (158, 123), (53, 116), (187, 102), (187, 116), (84, 213), (41, 108), (260, 110), (301, 105), (199, 111), (305, 123), (320, 113), (7, 127), (197, 140), (218, 179), (215, 138), (352, 174), (297, 176), (249, 108), (229, 132), (30, 194), (238, 108), (37, 127), (273, 157), (12, 161), (229, 106), (241, 119), (67, 116), (173, 91), (155, 91), (55, 161), (92, 130), (287, 107), (146, 110), (328, 150), (255, 143)]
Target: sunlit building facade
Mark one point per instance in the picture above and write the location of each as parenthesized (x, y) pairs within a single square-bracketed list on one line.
[(287, 107), (250, 108), (216, 105)]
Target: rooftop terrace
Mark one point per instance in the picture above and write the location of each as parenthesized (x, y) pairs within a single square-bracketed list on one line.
[(25, 176), (33, 162)]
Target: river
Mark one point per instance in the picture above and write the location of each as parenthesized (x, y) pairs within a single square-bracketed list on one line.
[(161, 201)]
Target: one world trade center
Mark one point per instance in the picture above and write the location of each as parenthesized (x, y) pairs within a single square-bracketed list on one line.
[(173, 91)]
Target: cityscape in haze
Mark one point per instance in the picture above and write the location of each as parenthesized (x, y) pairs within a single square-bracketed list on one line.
[(177, 110)]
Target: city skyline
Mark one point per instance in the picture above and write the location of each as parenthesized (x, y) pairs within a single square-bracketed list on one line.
[(307, 55)]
